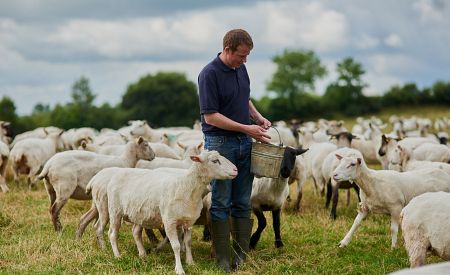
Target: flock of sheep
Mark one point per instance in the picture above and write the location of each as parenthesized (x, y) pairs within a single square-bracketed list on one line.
[(159, 178)]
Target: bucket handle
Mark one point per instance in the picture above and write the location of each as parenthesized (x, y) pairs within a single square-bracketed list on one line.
[(279, 136)]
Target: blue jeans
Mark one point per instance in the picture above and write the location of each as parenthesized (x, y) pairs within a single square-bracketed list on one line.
[(232, 197)]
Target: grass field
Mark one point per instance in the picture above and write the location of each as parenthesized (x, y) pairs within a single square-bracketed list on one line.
[(28, 243)]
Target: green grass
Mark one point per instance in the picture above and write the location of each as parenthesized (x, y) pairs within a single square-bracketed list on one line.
[(29, 244)]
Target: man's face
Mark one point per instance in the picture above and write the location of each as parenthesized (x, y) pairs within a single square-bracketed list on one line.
[(238, 57)]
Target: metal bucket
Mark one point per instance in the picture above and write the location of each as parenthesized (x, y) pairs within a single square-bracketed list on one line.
[(267, 158)]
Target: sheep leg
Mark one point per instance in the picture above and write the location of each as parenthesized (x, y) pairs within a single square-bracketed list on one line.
[(362, 213), (261, 225), (335, 192), (151, 235), (172, 234), (299, 196), (395, 218), (329, 194), (187, 244), (276, 228), (137, 235), (114, 227), (54, 212), (103, 219), (348, 198), (416, 245), (3, 185), (356, 188), (50, 192), (87, 217)]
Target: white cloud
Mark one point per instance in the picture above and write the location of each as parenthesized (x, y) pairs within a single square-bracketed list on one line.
[(366, 42), (393, 40), (311, 25), (392, 63), (428, 10)]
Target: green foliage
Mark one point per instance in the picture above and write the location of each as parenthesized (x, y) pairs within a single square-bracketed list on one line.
[(441, 93), (296, 73), (7, 110), (345, 94), (407, 94), (164, 99)]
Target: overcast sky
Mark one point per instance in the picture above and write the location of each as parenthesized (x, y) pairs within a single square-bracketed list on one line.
[(46, 45)]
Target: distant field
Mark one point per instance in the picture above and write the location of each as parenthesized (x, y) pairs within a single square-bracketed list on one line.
[(28, 243)]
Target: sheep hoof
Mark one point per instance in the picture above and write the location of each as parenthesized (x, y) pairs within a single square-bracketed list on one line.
[(278, 244)]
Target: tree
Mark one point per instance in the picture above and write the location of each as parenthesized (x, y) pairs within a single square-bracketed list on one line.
[(296, 73), (409, 94), (8, 110), (345, 94), (164, 99), (82, 94)]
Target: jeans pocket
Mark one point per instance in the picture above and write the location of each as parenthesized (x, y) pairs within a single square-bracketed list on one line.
[(214, 142)]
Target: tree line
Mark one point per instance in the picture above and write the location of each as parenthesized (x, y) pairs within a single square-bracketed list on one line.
[(170, 99)]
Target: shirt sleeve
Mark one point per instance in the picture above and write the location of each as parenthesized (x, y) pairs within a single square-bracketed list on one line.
[(208, 92)]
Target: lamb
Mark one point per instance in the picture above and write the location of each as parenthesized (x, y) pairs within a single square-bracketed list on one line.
[(29, 155), (269, 194), (67, 173), (400, 160), (4, 155), (386, 191), (425, 226), (158, 198)]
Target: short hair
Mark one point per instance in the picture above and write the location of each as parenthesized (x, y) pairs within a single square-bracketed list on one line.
[(236, 37)]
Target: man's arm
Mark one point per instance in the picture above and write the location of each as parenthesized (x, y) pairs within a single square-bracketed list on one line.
[(257, 117), (220, 121)]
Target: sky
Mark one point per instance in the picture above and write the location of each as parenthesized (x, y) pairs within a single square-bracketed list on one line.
[(46, 45)]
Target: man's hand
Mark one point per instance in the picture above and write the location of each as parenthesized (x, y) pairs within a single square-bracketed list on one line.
[(263, 122), (259, 133)]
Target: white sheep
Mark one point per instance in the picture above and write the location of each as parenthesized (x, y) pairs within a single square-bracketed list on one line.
[(173, 163), (160, 198), (161, 150), (4, 155), (67, 173), (432, 152), (270, 194), (425, 225), (386, 191), (400, 160), (29, 155)]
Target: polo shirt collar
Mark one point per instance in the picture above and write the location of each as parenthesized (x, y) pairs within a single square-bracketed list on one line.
[(222, 65)]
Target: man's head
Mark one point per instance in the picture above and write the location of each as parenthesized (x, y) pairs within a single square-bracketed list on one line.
[(237, 45)]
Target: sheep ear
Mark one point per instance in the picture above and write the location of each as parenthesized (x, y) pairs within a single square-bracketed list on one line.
[(62, 131), (200, 146), (339, 157), (301, 151), (45, 131), (165, 135), (359, 161), (83, 144), (196, 158), (181, 145), (140, 140)]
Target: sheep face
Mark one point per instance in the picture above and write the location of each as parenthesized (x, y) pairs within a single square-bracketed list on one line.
[(395, 158), (348, 168), (288, 163), (144, 151), (215, 165)]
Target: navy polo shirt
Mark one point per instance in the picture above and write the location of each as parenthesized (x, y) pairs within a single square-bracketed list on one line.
[(224, 90)]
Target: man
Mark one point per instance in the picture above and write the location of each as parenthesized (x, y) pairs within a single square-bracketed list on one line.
[(226, 110)]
